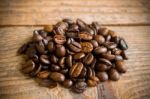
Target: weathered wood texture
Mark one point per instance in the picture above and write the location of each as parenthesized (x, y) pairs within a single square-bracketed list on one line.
[(106, 12), (135, 84)]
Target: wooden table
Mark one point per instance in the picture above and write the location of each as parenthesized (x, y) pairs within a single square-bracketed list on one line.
[(130, 18)]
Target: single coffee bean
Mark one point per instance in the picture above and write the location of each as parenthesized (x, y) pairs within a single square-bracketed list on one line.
[(112, 33), (40, 47), (90, 72), (93, 63), (48, 28), (58, 31), (51, 46), (110, 45), (108, 56), (100, 50), (123, 54), (53, 59), (94, 43), (101, 67), (28, 66), (75, 47), (54, 68), (83, 73), (23, 49), (105, 61), (85, 36), (60, 50), (81, 24), (121, 67), (114, 75), (61, 62), (62, 26), (44, 59), (43, 33), (88, 59), (57, 76), (79, 56), (36, 70), (96, 25), (59, 39), (86, 47), (93, 81), (37, 37), (31, 52), (99, 38), (69, 21), (76, 69), (67, 83), (69, 61), (43, 74), (73, 28), (71, 34), (79, 87), (118, 58), (103, 76), (103, 31), (123, 45)]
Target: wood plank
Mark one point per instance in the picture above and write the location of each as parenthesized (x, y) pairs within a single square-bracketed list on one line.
[(135, 84), (115, 12)]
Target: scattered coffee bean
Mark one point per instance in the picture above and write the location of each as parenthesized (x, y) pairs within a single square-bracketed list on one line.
[(103, 76), (86, 47), (99, 38), (59, 39), (79, 87), (78, 56), (60, 51), (67, 83), (114, 75), (28, 67), (43, 74), (121, 67), (57, 76)]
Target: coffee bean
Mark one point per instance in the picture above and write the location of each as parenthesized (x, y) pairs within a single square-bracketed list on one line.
[(103, 76), (69, 61), (76, 69), (93, 63), (94, 43), (67, 83), (124, 55), (75, 47), (28, 66), (83, 73), (108, 38), (103, 31), (96, 25), (68, 52), (61, 62), (79, 56), (35, 58), (48, 28), (118, 58), (37, 37), (116, 39), (112, 33), (86, 47), (59, 39), (121, 67), (57, 76), (110, 45), (93, 81), (54, 67), (116, 51), (40, 47), (100, 50), (79, 87), (85, 36), (71, 34), (105, 61), (73, 28), (43, 33), (99, 38), (31, 52), (23, 49), (51, 46), (114, 75), (36, 70), (53, 59), (108, 56), (44, 59), (88, 59), (61, 27), (123, 45), (101, 67), (60, 50), (81, 24), (69, 21), (90, 72), (43, 74)]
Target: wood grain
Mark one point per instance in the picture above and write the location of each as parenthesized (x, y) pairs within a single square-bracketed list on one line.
[(106, 12), (135, 84)]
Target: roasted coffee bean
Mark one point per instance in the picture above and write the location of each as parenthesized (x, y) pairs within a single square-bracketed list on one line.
[(114, 75), (31, 52), (103, 31), (118, 58), (100, 50), (37, 37), (79, 56), (64, 70), (83, 73), (123, 54), (51, 46), (105, 61), (43, 33), (108, 56), (61, 62), (54, 67), (28, 66), (85, 36), (90, 72), (75, 47), (116, 39), (69, 21), (23, 49), (96, 25), (71, 34), (116, 51), (94, 43), (67, 83), (112, 33), (36, 70), (69, 41), (57, 76), (123, 45), (79, 87), (110, 45), (81, 24), (68, 52), (59, 39), (60, 51), (93, 63), (103, 76), (53, 59), (101, 67), (48, 28), (86, 47), (44, 59), (40, 47), (35, 58), (120, 66), (73, 28), (88, 59), (61, 27), (93, 81), (43, 74), (69, 61), (99, 38), (76, 69)]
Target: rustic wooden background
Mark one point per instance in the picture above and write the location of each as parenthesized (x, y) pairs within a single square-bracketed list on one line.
[(129, 18)]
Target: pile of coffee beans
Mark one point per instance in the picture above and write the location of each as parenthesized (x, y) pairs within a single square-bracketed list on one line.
[(75, 55)]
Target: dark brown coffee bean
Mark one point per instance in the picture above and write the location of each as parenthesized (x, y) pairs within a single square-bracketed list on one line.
[(71, 34), (94, 43), (31, 51), (99, 38), (116, 39), (61, 62), (93, 63), (123, 45), (59, 39), (96, 25), (90, 72), (101, 67), (60, 50), (86, 47), (81, 24), (59, 31), (36, 36), (51, 46), (105, 61), (73, 28), (116, 51), (103, 31), (69, 21), (43, 74), (67, 83), (64, 70), (68, 52), (69, 61), (85, 36), (112, 33), (43, 33), (114, 75), (118, 58), (121, 67), (35, 58), (76, 69), (93, 81), (124, 55), (78, 56), (103, 76), (88, 59), (108, 56), (75, 47), (40, 47), (54, 67), (110, 45), (53, 59), (100, 50), (36, 70), (44, 59), (28, 66), (83, 73), (23, 49), (57, 76), (79, 87), (61, 27), (48, 28)]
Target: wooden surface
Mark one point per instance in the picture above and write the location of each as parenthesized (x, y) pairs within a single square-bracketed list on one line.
[(130, 18)]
